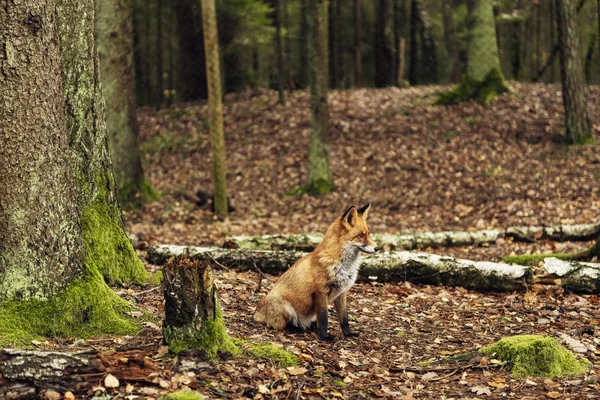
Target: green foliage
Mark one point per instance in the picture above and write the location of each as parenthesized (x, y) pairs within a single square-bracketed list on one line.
[(182, 395), (482, 92), (535, 259), (156, 278), (88, 307), (534, 355), (267, 351)]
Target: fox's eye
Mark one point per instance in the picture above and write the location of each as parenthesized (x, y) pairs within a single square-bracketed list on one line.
[(362, 236)]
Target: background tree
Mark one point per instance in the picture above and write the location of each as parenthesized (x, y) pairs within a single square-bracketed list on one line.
[(61, 236), (577, 122), (215, 106), (483, 79), (357, 52), (114, 28), (383, 54), (320, 176), (281, 81)]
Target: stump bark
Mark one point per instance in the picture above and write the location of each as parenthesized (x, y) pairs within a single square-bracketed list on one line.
[(193, 318)]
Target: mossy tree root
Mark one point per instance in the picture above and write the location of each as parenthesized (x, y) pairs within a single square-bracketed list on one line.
[(193, 318), (469, 89)]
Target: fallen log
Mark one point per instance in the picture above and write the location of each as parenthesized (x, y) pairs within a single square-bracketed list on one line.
[(22, 372), (403, 265), (412, 241), (386, 267)]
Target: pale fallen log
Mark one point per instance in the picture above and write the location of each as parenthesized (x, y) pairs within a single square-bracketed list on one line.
[(411, 266), (412, 241), (384, 267)]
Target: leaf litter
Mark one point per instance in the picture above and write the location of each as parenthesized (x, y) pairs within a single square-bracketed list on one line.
[(424, 168)]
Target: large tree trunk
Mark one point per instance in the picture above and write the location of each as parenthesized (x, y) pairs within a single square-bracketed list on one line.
[(215, 106), (114, 27), (417, 267), (483, 80), (320, 181), (193, 318), (577, 123), (383, 55), (357, 52), (61, 233)]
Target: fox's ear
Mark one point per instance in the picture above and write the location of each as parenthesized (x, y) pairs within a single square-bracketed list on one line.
[(349, 217), (364, 211)]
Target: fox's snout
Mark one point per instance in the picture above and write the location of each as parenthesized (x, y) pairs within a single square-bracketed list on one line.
[(370, 247)]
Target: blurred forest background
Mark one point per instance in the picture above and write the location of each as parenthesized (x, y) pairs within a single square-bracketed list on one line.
[(371, 43)]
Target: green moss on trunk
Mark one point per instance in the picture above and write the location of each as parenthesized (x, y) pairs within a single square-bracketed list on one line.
[(87, 307), (535, 259), (109, 250), (534, 355)]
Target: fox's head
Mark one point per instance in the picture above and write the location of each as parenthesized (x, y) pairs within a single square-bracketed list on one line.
[(355, 230)]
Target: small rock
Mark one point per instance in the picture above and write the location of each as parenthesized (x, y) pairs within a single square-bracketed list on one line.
[(69, 396), (543, 321)]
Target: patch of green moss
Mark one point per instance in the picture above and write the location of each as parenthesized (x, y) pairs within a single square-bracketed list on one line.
[(316, 188), (136, 193), (482, 92), (340, 384), (267, 351), (87, 307), (156, 278), (535, 259), (182, 395), (109, 250), (535, 355), (212, 338)]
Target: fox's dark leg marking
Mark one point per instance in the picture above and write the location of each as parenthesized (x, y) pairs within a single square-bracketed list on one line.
[(320, 304), (342, 315)]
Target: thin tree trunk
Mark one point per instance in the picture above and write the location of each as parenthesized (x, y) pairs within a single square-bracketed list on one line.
[(304, 46), (159, 57), (383, 57), (61, 234), (279, 45), (333, 45), (401, 61), (357, 52), (413, 66), (577, 122), (215, 107), (320, 181), (115, 49)]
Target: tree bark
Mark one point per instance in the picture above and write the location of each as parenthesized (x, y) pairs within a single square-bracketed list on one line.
[(61, 233), (383, 55), (416, 267), (357, 52), (215, 107), (577, 122), (114, 27), (304, 38), (320, 181), (279, 45), (159, 57), (193, 318)]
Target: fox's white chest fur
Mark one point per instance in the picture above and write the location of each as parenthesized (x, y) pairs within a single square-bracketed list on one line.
[(344, 274)]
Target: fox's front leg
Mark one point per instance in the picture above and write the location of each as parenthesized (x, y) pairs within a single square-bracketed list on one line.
[(320, 305), (342, 315)]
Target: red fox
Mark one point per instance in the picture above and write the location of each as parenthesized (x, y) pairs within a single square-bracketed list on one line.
[(302, 294)]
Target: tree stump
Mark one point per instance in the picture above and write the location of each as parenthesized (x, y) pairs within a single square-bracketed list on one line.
[(193, 318)]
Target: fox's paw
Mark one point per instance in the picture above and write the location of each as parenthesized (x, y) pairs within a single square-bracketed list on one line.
[(351, 334), (327, 338)]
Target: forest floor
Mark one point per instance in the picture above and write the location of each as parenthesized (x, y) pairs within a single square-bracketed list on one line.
[(424, 168)]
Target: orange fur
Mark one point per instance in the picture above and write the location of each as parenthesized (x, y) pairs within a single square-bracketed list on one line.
[(303, 292)]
